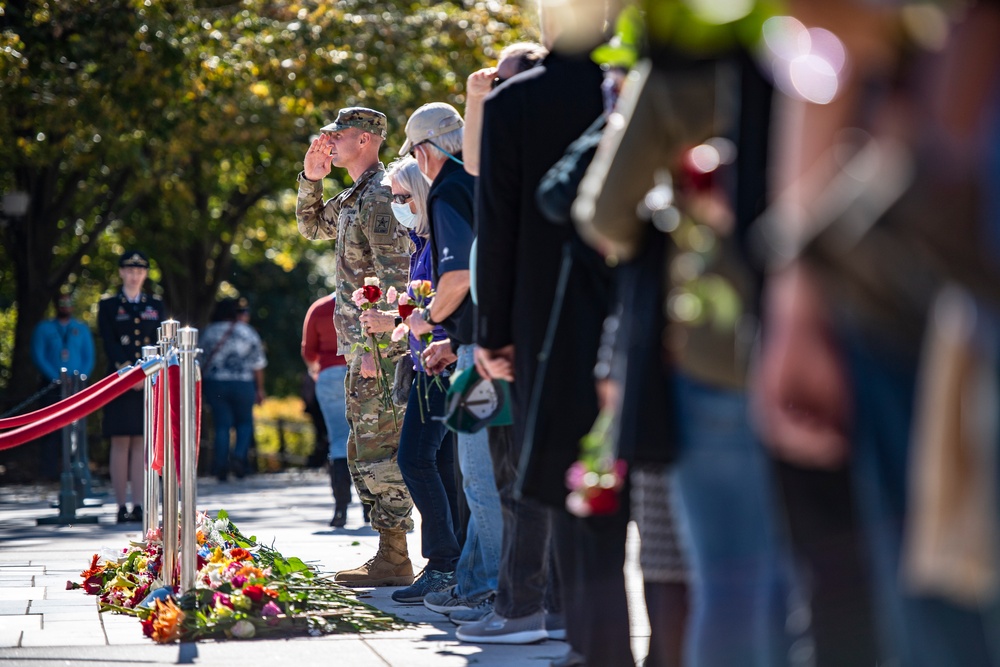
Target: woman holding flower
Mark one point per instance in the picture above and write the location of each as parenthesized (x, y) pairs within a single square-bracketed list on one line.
[(426, 447)]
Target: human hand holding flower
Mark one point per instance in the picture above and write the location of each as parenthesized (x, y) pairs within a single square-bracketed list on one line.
[(375, 321), (438, 356), (418, 325)]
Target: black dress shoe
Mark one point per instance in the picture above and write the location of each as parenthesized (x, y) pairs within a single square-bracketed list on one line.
[(136, 514), (339, 519), (123, 514)]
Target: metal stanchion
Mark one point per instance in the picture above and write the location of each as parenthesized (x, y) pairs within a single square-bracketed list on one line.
[(81, 455), (168, 334), (187, 343), (151, 517), (67, 488)]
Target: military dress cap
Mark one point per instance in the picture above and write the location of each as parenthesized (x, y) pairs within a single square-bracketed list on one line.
[(428, 122), (133, 258), (362, 118)]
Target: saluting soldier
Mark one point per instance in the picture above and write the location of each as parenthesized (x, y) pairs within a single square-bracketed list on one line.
[(126, 321), (370, 243)]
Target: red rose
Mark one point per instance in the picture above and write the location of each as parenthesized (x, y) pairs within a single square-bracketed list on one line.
[(406, 309), (372, 293), (93, 584), (254, 591), (147, 626), (603, 501)]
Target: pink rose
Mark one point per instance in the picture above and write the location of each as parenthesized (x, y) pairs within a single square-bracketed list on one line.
[(358, 297), (399, 333), (390, 295)]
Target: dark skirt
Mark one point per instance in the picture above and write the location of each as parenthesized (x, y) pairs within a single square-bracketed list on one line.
[(123, 416)]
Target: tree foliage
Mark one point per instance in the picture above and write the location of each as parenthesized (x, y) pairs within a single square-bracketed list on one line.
[(178, 127)]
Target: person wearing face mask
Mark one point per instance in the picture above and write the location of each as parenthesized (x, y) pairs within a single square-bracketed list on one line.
[(426, 448), (61, 342)]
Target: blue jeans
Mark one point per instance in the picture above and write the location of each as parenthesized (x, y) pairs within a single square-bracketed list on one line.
[(330, 396), (918, 631), (231, 403), (427, 460), (476, 573), (726, 519)]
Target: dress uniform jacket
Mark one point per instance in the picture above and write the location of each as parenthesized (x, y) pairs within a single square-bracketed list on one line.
[(125, 328)]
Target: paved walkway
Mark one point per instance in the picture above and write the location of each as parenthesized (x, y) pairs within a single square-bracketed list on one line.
[(42, 623)]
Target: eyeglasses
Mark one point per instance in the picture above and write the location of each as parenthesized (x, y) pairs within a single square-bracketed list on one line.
[(496, 82), (401, 199), (413, 151)]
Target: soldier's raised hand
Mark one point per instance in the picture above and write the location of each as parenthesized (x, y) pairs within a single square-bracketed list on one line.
[(318, 158)]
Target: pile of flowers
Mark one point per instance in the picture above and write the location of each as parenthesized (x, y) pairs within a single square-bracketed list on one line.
[(243, 589)]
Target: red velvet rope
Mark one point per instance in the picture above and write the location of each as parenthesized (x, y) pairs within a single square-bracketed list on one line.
[(44, 413), (70, 411), (174, 373)]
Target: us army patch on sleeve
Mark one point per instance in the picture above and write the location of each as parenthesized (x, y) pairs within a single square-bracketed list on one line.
[(383, 225)]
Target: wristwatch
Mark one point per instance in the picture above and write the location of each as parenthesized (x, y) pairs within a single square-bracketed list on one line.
[(399, 320), (427, 317)]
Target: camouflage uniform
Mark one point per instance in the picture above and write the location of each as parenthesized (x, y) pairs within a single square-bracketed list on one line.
[(369, 243)]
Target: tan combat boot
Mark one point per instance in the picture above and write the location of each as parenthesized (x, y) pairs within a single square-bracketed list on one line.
[(390, 566)]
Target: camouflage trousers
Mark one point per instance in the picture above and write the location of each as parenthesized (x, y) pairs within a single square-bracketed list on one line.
[(371, 452)]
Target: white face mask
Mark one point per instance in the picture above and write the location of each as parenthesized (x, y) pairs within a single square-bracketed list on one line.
[(404, 215)]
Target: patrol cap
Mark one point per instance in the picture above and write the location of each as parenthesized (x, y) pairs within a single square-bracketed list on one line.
[(430, 121), (474, 402), (362, 118), (133, 258)]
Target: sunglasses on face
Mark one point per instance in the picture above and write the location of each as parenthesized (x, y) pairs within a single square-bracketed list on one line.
[(401, 199)]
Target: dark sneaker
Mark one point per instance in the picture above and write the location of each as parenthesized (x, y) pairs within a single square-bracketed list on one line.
[(446, 602), (123, 514), (136, 514), (495, 629), (429, 581), (339, 519)]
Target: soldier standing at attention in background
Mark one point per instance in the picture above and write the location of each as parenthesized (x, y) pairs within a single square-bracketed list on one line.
[(126, 321), (370, 243)]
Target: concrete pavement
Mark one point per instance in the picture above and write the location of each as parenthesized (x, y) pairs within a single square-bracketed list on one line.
[(41, 623)]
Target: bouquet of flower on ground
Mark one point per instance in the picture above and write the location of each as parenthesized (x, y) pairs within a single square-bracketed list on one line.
[(243, 589)]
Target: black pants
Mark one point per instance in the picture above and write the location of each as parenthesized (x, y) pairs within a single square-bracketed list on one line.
[(826, 539), (590, 554), (527, 581)]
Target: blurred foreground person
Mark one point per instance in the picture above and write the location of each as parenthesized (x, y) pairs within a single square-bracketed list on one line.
[(677, 179), (880, 338)]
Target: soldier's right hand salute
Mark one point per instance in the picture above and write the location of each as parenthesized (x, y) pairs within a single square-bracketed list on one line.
[(319, 158)]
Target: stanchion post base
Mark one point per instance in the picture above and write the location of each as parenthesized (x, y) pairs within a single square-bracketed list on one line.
[(64, 521)]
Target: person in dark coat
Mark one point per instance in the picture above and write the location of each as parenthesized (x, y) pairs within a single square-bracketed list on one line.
[(127, 321), (529, 121)]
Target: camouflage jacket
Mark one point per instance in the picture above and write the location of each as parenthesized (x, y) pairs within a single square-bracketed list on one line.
[(369, 243)]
